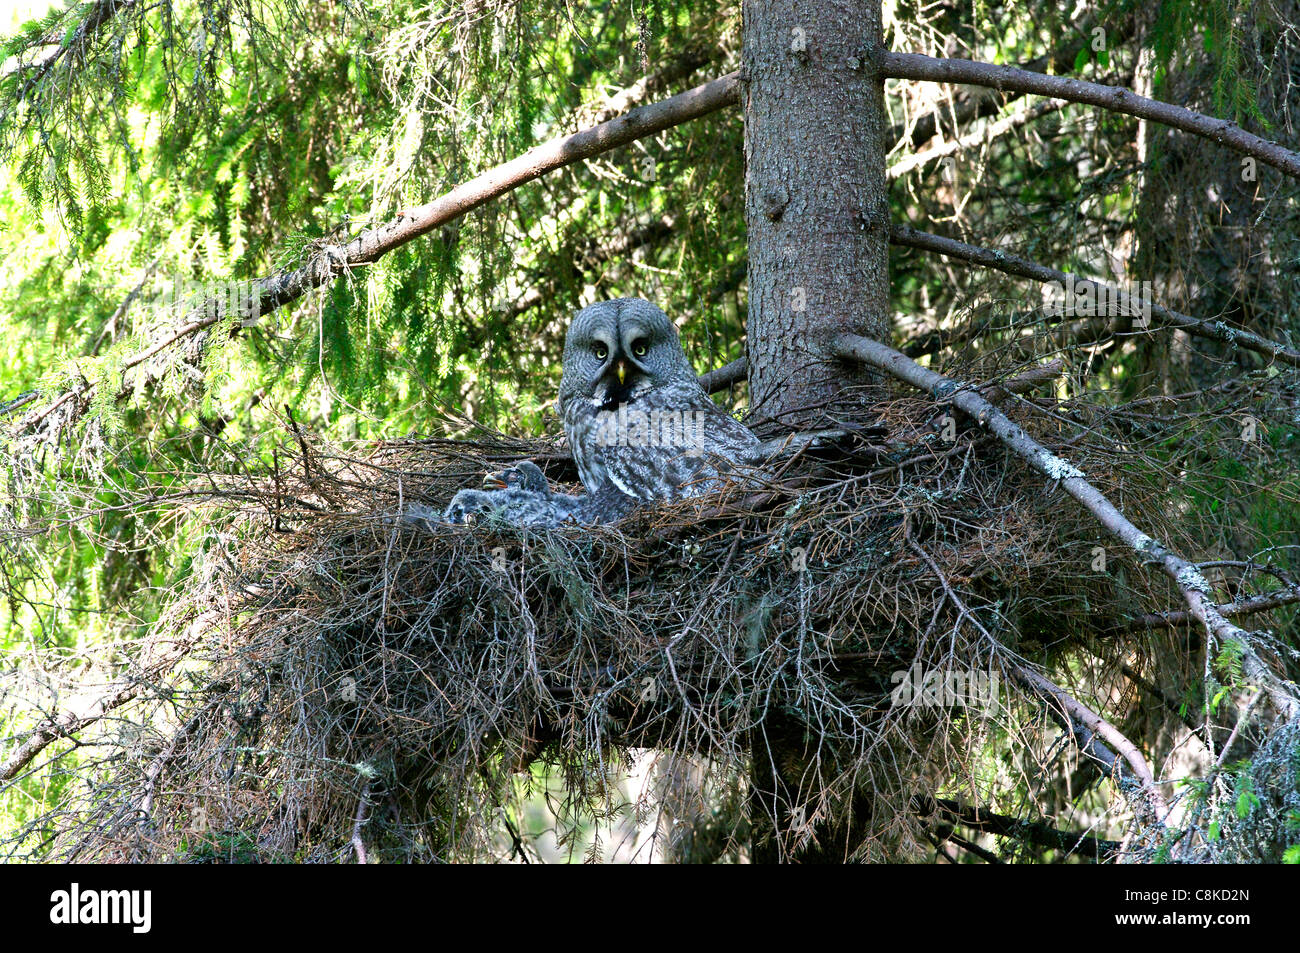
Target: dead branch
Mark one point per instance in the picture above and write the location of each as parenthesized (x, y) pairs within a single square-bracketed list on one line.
[(973, 139), (1026, 380), (1232, 610), (1127, 304), (67, 723), (1092, 733), (1045, 835), (1114, 98), (1088, 727), (979, 102), (1195, 590), (682, 66)]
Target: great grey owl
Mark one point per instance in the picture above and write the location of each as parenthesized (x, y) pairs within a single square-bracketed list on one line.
[(640, 426), (634, 411)]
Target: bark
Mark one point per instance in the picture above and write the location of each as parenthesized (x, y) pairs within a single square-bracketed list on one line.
[(816, 205), (817, 215)]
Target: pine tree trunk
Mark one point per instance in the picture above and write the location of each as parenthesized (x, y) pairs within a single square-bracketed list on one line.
[(816, 205), (817, 213)]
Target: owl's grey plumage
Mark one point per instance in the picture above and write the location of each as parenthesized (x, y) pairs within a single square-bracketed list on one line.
[(639, 424), (635, 415), (521, 497)]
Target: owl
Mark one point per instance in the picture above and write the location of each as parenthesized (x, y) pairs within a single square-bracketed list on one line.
[(518, 495), (635, 415), (640, 426)]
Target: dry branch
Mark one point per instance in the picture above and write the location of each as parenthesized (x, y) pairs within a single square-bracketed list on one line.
[(979, 102), (989, 822), (1194, 588), (1095, 735), (676, 70), (1265, 602), (979, 137), (67, 723), (1023, 268), (1114, 98)]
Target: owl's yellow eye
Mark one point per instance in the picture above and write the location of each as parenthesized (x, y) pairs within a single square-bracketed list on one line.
[(600, 351), (640, 348)]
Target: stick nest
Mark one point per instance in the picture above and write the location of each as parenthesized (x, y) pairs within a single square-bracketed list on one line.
[(334, 682)]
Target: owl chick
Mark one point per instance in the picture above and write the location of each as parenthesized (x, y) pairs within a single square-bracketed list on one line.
[(524, 475), (519, 496)]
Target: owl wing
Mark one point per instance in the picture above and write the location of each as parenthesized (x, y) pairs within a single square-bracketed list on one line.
[(691, 447)]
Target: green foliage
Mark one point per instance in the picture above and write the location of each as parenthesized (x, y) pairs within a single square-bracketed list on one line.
[(1209, 32), (189, 142), (183, 144)]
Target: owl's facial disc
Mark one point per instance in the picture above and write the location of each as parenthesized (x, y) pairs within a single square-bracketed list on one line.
[(624, 379), (616, 349)]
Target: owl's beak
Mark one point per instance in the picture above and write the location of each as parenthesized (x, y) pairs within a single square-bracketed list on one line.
[(622, 371)]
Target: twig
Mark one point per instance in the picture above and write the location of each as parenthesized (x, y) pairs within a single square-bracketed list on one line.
[(358, 844), (1179, 617), (1191, 584), (1114, 98), (1084, 723), (1126, 305), (981, 819)]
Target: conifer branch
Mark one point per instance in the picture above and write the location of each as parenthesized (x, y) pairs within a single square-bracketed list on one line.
[(1187, 578), (1023, 268), (103, 12), (1114, 98), (966, 105), (325, 264)]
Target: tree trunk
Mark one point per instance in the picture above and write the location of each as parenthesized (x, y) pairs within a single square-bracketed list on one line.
[(816, 205), (817, 213)]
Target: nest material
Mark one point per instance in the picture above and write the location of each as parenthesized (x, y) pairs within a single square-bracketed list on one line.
[(334, 681)]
